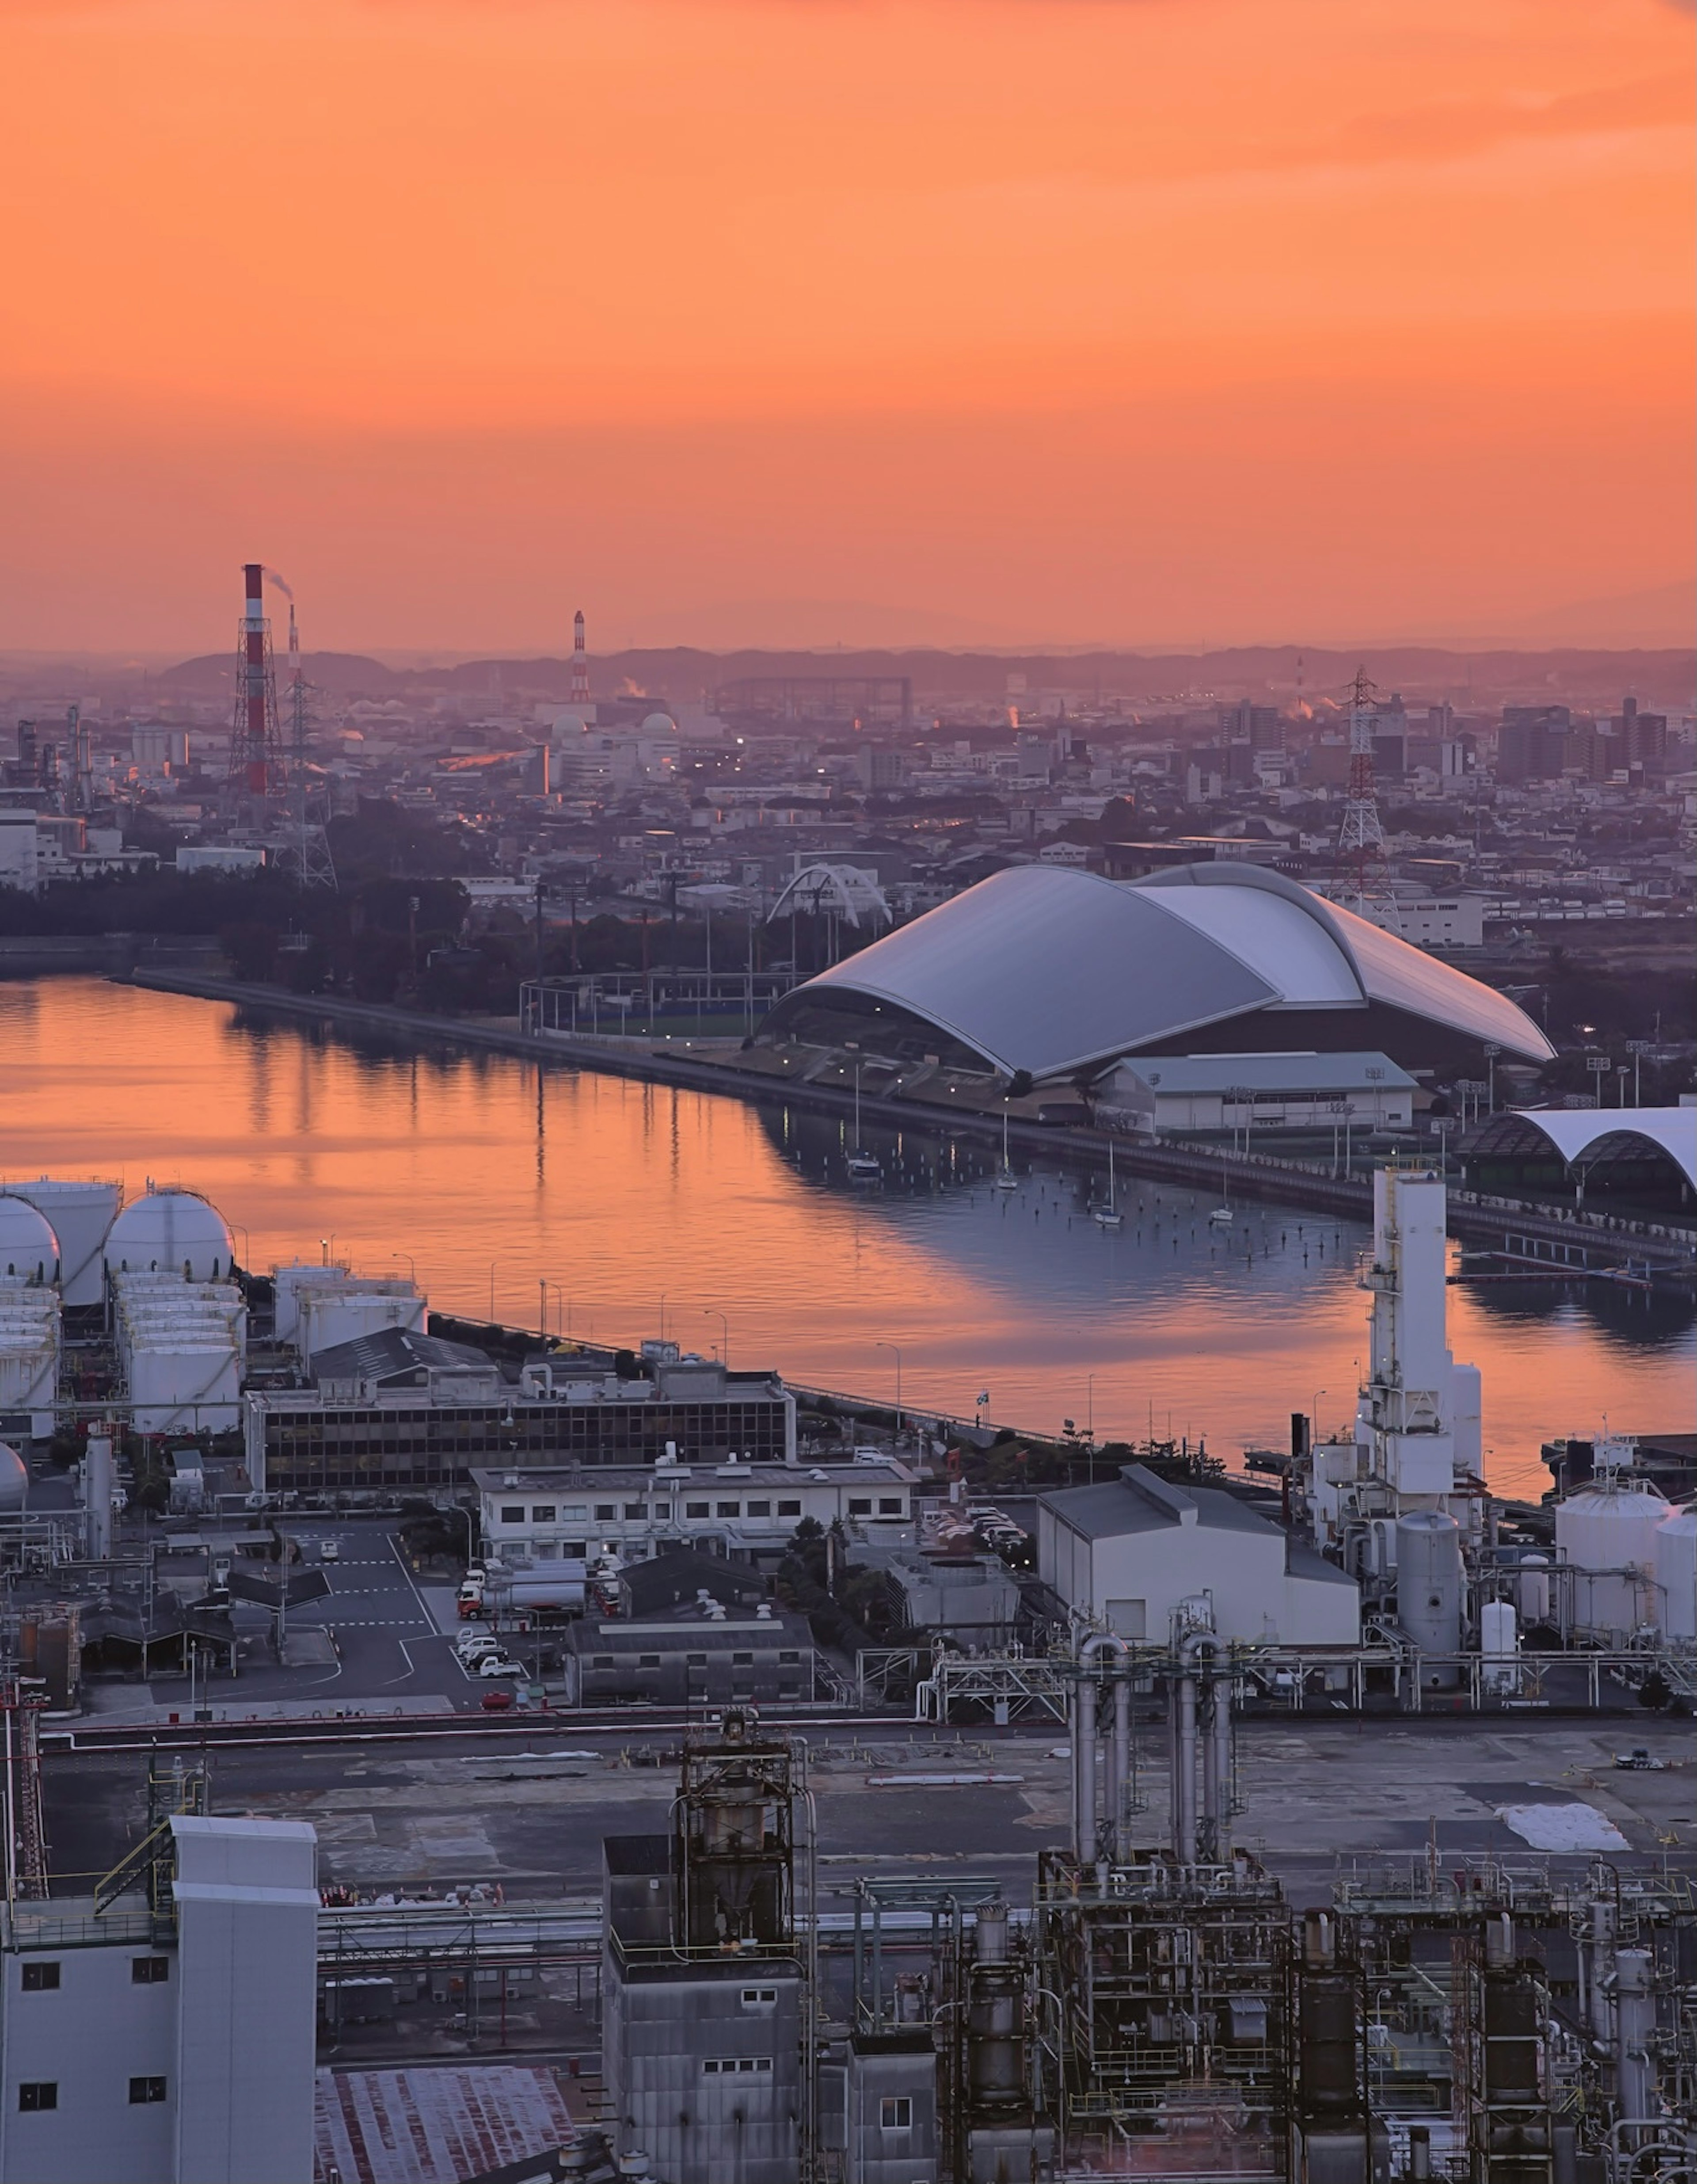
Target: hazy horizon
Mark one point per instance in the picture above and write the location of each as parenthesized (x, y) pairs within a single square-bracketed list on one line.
[(1167, 325)]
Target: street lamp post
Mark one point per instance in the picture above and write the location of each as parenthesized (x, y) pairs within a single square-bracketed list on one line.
[(1314, 1417), (1491, 1051), (493, 1264), (897, 1347), (1638, 1048), (712, 1311)]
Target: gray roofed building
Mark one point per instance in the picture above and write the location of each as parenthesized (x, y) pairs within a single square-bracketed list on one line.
[(1142, 1557)]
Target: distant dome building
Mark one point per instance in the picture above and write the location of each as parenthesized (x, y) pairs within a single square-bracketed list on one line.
[(171, 1230), (659, 724), (14, 1480), (1057, 973), (29, 1249)]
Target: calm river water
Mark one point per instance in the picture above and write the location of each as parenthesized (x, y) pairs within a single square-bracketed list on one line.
[(639, 1205)]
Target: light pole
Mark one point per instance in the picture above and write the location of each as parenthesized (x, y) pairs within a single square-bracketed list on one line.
[(1491, 1051), (712, 1311), (493, 1264), (564, 1300), (1638, 1048), (412, 1265), (1314, 1417), (664, 1294), (896, 1347)]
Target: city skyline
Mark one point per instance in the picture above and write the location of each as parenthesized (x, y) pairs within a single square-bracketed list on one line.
[(1158, 326)]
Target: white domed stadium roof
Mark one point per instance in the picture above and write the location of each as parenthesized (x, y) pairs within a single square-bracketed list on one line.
[(172, 1230), (29, 1249), (1051, 970)]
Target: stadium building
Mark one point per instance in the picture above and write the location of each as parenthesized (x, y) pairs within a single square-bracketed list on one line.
[(1054, 974)]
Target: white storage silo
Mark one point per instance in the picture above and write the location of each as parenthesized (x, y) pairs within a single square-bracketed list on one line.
[(79, 1213), (326, 1317), (171, 1230), (1534, 1588), (1499, 1645), (1676, 1574), (1429, 1590), (29, 1249), (1606, 1535)]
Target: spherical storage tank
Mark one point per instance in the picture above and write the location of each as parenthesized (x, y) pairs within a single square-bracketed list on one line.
[(79, 1214), (1675, 1573), (170, 1231), (29, 1249), (1428, 1589), (1606, 1536), (14, 1480)]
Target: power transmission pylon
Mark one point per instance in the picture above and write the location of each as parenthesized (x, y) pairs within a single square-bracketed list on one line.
[(304, 849), (1361, 837)]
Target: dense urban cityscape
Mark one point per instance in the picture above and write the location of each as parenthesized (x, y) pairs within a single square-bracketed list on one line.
[(848, 1093)]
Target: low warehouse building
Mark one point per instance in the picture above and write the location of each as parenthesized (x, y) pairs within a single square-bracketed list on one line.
[(1136, 1552), (702, 1655), (1164, 1093)]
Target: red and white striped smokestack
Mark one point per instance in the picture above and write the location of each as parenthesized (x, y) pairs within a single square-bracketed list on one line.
[(580, 661)]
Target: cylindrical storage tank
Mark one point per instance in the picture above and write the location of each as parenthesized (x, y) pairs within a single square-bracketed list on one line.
[(14, 1480), (29, 1249), (1533, 1588), (172, 1231), (1428, 1590), (1606, 1536), (1676, 1574), (79, 1214)]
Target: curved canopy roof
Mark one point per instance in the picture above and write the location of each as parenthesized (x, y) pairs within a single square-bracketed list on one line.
[(1047, 969), (1585, 1134)]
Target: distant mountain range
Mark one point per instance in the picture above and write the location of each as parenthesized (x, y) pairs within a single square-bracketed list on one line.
[(683, 674)]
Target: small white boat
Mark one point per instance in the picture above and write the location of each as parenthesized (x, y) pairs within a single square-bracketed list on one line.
[(863, 1166), (1108, 1214), (1006, 1179)]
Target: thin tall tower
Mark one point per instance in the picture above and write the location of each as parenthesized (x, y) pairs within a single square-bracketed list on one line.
[(255, 774), (1362, 838), (580, 662), (304, 847)]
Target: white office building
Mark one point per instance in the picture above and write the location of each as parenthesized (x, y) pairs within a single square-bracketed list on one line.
[(747, 1512)]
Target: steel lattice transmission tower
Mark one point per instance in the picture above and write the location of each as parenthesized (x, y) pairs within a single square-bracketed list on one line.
[(255, 778), (1362, 838), (303, 849)]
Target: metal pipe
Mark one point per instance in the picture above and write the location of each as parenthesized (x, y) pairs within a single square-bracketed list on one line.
[(1185, 1775), (1220, 1761), (1119, 1774), (1634, 2029), (1084, 1818)]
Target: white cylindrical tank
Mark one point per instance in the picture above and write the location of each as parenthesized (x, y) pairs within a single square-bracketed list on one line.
[(1533, 1588), (80, 1214), (1605, 1535), (1498, 1645), (1429, 1590), (29, 1249), (171, 1230), (14, 1480), (1676, 1574)]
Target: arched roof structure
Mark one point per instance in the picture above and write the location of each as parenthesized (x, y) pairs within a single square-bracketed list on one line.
[(1049, 970), (1593, 1137)]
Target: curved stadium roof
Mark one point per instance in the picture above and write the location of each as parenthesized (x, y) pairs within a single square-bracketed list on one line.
[(1583, 1135), (1052, 970)]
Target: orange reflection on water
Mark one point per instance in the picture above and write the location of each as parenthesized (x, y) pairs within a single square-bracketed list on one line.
[(642, 1208)]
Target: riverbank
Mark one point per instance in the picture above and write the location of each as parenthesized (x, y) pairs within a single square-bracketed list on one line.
[(1523, 1239)]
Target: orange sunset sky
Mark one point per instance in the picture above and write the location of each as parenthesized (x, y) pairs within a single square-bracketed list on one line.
[(1139, 321)]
